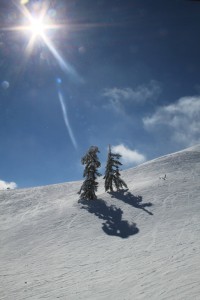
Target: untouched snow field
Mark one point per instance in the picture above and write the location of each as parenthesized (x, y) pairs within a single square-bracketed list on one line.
[(140, 244)]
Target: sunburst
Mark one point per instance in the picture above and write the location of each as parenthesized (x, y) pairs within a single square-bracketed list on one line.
[(39, 26)]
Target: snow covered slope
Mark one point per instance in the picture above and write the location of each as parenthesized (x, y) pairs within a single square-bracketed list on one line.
[(140, 244)]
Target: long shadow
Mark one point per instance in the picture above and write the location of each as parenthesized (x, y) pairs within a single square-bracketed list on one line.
[(113, 225), (132, 200)]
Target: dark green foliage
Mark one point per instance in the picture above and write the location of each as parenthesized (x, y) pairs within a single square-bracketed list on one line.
[(91, 162), (112, 174)]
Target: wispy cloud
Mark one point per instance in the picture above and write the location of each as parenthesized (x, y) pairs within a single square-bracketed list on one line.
[(129, 156), (118, 97), (7, 185), (183, 117)]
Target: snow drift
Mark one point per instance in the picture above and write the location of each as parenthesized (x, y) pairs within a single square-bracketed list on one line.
[(138, 244)]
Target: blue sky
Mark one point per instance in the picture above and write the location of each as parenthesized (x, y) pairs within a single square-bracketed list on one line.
[(124, 73)]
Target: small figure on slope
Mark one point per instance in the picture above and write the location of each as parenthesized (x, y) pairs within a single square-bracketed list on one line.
[(112, 175), (92, 163)]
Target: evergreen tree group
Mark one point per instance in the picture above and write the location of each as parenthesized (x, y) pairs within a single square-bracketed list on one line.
[(112, 175)]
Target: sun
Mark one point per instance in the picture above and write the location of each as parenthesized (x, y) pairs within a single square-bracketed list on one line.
[(37, 27)]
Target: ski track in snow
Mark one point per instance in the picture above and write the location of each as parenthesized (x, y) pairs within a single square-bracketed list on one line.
[(53, 248)]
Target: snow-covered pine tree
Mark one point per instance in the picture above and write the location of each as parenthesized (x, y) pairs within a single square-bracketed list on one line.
[(92, 163), (112, 174)]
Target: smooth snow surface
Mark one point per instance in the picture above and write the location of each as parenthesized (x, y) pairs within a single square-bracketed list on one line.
[(140, 244)]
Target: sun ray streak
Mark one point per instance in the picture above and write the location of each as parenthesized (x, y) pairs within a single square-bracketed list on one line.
[(66, 67), (66, 119), (29, 47), (23, 10)]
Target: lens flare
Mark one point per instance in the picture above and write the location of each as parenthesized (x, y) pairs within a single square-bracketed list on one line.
[(23, 2), (65, 116)]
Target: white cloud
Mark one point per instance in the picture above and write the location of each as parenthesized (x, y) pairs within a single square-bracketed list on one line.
[(7, 185), (117, 97), (129, 156), (183, 117)]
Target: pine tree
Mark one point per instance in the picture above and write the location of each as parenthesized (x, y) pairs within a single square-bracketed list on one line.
[(91, 162), (112, 174)]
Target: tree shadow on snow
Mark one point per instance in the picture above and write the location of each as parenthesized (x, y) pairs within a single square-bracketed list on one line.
[(113, 225), (132, 200)]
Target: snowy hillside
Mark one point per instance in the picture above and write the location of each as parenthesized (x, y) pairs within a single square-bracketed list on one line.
[(140, 244)]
